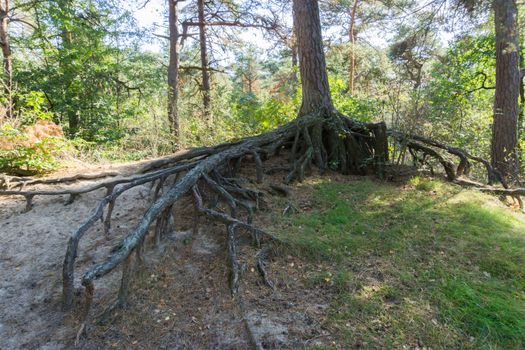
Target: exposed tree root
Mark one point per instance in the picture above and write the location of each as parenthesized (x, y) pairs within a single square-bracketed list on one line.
[(108, 185), (416, 142), (422, 149), (261, 258), (98, 214), (325, 140), (10, 182), (320, 140), (234, 263)]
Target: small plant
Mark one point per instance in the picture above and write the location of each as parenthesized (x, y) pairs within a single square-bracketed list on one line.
[(334, 165), (31, 150), (32, 107), (422, 184)]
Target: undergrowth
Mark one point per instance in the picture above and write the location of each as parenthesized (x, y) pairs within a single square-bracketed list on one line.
[(31, 149), (424, 264)]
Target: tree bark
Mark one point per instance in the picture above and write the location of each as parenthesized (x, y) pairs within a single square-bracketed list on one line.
[(6, 52), (205, 86), (294, 54), (72, 116), (505, 126), (312, 64), (173, 73)]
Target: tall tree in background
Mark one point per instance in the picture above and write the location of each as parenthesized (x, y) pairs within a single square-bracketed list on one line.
[(352, 17), (505, 126), (352, 37), (173, 71), (205, 87), (247, 70), (285, 34), (221, 15), (64, 19), (6, 52)]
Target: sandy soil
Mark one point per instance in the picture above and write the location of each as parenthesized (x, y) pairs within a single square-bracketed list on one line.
[(32, 247), (180, 299)]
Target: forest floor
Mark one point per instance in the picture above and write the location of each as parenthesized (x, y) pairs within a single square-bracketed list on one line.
[(366, 264)]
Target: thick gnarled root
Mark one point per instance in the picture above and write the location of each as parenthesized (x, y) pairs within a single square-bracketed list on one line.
[(311, 142)]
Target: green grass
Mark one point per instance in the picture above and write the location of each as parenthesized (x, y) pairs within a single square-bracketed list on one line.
[(424, 264)]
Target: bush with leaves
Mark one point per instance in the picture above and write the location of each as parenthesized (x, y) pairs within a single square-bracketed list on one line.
[(31, 150)]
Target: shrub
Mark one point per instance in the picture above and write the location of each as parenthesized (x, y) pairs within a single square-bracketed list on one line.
[(31, 150)]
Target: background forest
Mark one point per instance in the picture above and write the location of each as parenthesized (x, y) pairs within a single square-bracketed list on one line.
[(95, 69)]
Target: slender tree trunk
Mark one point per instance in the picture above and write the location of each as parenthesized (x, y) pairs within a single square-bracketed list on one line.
[(352, 35), (72, 116), (6, 52), (173, 73), (312, 64), (250, 84), (522, 103), (204, 61), (67, 70), (294, 54), (505, 126)]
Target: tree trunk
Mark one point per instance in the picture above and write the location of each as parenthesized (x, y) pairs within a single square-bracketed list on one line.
[(352, 35), (294, 54), (505, 126), (72, 115), (205, 87), (312, 65), (6, 52), (173, 73), (66, 69)]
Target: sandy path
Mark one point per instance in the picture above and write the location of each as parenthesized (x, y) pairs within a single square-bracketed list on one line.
[(32, 247)]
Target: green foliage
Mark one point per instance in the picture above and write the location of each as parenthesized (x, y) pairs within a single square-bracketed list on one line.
[(27, 146), (459, 95), (23, 156), (424, 184), (365, 109), (251, 106), (32, 107), (91, 84), (261, 116), (140, 138)]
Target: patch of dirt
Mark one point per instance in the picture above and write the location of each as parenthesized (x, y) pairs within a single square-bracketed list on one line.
[(32, 247), (180, 299)]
